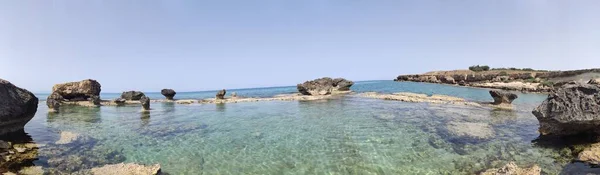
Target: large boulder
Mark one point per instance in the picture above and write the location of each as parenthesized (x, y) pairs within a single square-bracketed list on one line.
[(324, 86), (571, 109), (17, 107), (145, 103), (502, 97), (168, 93), (132, 95), (78, 91), (53, 102), (221, 94)]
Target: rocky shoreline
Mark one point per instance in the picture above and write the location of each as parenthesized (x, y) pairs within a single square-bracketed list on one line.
[(517, 80)]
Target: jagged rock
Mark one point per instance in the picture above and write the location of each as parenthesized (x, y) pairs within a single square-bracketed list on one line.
[(501, 97), (53, 103), (17, 107), (591, 154), (470, 130), (145, 103), (77, 91), (221, 94), (594, 81), (168, 93), (571, 109), (324, 86), (127, 169), (132, 95), (512, 169)]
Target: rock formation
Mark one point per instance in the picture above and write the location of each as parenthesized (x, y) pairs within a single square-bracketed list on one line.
[(324, 86), (168, 93), (132, 95), (221, 94), (233, 95), (77, 91), (17, 107), (512, 169), (501, 97), (594, 81), (571, 109), (145, 102), (591, 154)]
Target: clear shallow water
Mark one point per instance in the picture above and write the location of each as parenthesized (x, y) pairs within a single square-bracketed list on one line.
[(348, 135)]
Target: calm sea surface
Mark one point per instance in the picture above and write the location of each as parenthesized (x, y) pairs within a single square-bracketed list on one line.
[(347, 135)]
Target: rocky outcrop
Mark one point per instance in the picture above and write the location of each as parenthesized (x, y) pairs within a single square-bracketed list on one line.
[(419, 98), (53, 102), (233, 95), (572, 109), (168, 93), (512, 169), (531, 81), (17, 107), (221, 94), (500, 97), (591, 154), (324, 86), (145, 103), (77, 91), (132, 95), (594, 81), (127, 169)]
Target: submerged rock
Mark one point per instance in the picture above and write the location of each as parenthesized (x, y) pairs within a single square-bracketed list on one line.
[(590, 154), (127, 169), (572, 109), (132, 95), (324, 86), (470, 130), (67, 137), (221, 94), (501, 97), (512, 169), (17, 107), (168, 93), (145, 103), (77, 91)]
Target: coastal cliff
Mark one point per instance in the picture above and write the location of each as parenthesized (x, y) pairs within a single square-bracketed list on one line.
[(507, 79)]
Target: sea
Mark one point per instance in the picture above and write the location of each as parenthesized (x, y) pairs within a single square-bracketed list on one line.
[(345, 135)]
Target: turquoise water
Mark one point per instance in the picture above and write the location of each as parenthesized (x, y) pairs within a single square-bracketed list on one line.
[(346, 135)]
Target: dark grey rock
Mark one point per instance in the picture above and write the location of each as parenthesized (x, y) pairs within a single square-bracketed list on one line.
[(571, 109), (502, 97), (221, 94), (17, 107), (168, 93), (132, 95), (145, 102), (120, 101), (324, 86), (77, 91)]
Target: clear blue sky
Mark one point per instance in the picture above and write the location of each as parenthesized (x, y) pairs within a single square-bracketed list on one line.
[(201, 45)]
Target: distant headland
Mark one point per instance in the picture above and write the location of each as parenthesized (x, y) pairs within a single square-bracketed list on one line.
[(525, 79)]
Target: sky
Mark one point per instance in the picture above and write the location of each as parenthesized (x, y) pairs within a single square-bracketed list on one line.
[(198, 45)]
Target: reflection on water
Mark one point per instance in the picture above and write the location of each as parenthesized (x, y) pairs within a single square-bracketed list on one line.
[(348, 135)]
